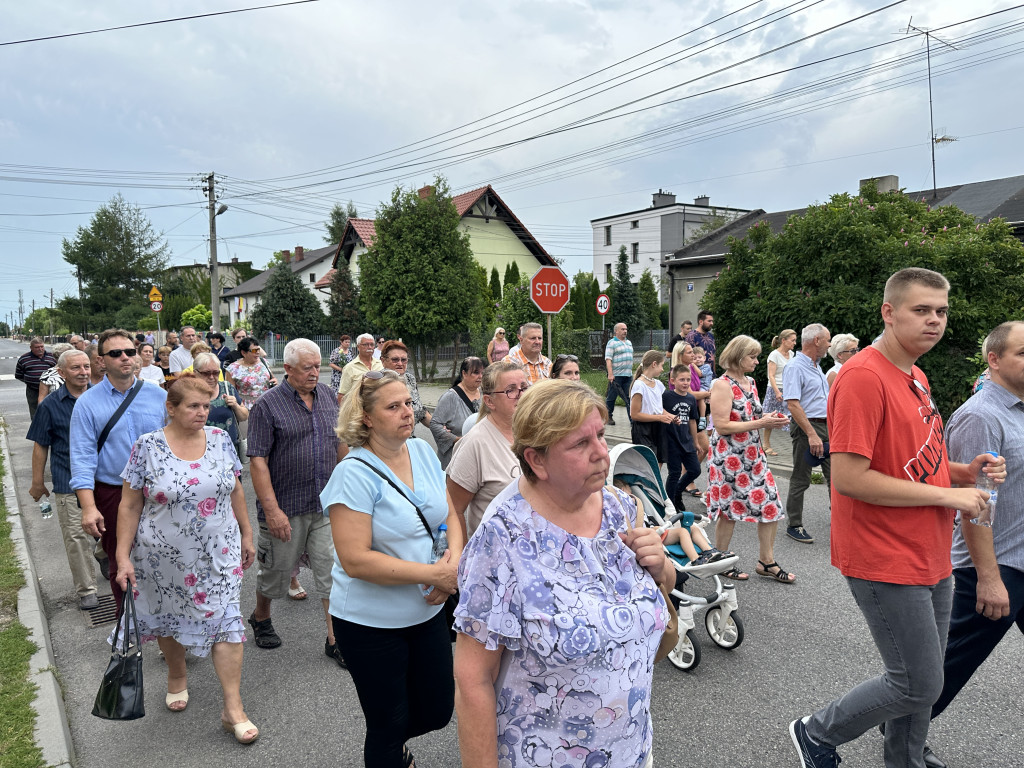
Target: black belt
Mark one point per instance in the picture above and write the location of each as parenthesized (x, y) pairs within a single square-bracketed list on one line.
[(818, 421)]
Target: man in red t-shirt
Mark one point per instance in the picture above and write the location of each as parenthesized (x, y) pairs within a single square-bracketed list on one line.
[(892, 525)]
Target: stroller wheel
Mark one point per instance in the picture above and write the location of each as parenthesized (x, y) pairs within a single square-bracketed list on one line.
[(686, 654), (726, 634)]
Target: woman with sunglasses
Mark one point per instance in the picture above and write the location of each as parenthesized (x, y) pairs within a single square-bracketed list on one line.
[(251, 375), (566, 367), (482, 462), (386, 501), (394, 356), (454, 406), (225, 411), (497, 348)]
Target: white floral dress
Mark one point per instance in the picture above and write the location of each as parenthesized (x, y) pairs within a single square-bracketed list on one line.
[(187, 552)]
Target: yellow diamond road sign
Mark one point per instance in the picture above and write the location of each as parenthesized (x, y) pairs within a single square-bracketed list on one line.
[(155, 295)]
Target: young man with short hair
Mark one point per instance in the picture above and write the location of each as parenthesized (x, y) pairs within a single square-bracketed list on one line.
[(892, 525)]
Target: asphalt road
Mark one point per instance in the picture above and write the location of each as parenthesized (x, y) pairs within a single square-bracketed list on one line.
[(805, 644)]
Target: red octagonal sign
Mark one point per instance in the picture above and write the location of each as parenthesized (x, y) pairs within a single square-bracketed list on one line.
[(549, 289)]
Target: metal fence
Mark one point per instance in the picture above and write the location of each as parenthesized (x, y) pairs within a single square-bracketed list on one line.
[(445, 356)]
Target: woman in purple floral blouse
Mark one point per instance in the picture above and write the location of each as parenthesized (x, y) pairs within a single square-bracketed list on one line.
[(184, 541), (559, 614)]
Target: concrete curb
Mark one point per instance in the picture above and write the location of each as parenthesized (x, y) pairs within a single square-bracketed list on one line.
[(52, 734)]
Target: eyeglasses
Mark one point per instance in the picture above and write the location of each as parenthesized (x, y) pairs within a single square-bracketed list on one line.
[(512, 393), (399, 360), (501, 333), (209, 373), (570, 358), (113, 354)]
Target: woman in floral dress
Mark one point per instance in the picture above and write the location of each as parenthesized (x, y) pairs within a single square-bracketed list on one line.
[(559, 615), (183, 541), (251, 375), (740, 485), (340, 357)]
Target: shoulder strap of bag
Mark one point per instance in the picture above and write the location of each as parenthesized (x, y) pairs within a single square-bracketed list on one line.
[(469, 403), (117, 415), (426, 525), (625, 512)]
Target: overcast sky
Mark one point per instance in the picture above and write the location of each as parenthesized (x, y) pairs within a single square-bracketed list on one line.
[(295, 108)]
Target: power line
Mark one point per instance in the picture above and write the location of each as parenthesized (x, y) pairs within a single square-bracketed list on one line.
[(152, 23)]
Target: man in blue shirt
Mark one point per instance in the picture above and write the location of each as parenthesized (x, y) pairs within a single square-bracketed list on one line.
[(806, 392), (96, 473), (51, 429)]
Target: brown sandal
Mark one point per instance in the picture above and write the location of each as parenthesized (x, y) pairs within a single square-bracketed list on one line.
[(763, 569)]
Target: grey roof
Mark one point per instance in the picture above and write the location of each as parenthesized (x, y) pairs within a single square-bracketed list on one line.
[(256, 284), (984, 200)]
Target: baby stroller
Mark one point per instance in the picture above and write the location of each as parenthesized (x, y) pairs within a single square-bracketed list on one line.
[(637, 467)]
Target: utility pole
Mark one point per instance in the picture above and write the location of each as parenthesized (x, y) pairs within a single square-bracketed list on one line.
[(49, 315), (214, 270), (21, 311)]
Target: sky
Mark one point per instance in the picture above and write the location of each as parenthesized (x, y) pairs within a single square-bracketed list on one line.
[(571, 110)]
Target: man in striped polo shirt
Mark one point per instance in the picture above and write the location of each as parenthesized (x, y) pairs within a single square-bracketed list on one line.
[(618, 361), (30, 367)]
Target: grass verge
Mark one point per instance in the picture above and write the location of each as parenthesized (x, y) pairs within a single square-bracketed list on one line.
[(17, 717)]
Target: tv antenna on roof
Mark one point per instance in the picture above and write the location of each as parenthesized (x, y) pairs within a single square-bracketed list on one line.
[(928, 35)]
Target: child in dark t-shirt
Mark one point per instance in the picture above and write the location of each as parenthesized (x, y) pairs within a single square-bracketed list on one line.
[(682, 445)]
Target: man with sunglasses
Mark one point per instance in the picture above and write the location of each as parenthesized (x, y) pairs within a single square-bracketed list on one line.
[(96, 470)]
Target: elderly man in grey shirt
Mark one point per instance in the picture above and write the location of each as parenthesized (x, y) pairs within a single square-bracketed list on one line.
[(806, 390), (988, 563)]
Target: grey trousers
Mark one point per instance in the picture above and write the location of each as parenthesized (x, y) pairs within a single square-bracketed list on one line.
[(77, 543), (909, 626), (800, 480)]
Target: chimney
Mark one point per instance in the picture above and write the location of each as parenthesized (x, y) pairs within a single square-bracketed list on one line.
[(426, 192), (702, 200), (299, 252), (661, 199), (286, 257), (234, 259), (882, 183)]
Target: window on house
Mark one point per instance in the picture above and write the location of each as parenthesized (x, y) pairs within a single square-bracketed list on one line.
[(312, 277), (635, 224), (635, 248), (607, 273), (608, 235)]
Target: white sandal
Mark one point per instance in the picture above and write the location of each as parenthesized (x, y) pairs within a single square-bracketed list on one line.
[(240, 729), (174, 698)]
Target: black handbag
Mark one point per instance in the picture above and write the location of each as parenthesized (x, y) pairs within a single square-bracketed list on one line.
[(120, 695)]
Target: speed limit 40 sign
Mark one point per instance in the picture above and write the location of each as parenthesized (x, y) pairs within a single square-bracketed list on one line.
[(603, 304)]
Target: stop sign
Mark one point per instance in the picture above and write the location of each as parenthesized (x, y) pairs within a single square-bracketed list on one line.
[(549, 289)]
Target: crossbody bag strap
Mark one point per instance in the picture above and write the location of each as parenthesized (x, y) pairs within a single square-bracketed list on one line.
[(465, 398), (117, 415), (426, 525)]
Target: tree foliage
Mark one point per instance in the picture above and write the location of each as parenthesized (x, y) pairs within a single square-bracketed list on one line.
[(417, 280), (119, 256), (650, 303), (337, 220), (344, 314), (199, 317), (713, 222), (287, 307), (5, 329), (625, 301), (830, 266), (511, 274), (495, 285)]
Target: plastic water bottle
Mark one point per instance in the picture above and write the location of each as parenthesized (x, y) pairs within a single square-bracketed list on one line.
[(440, 545), (46, 509), (986, 483)]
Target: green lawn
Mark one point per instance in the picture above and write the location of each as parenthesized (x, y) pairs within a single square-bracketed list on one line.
[(17, 718)]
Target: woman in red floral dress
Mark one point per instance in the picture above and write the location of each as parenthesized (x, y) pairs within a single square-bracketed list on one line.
[(740, 485)]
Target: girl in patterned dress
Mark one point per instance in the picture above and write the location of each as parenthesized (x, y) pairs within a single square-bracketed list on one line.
[(740, 485)]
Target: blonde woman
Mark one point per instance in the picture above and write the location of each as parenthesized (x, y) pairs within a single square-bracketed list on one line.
[(497, 348), (778, 359)]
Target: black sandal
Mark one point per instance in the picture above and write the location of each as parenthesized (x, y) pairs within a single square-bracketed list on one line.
[(697, 493), (735, 574), (263, 633), (780, 575), (408, 761)]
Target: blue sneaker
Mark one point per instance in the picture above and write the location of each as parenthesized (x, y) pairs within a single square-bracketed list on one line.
[(812, 754)]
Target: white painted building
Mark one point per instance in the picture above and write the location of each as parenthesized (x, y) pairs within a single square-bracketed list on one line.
[(650, 234)]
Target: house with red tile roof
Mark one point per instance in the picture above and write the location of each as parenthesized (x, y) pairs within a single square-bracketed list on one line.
[(496, 236)]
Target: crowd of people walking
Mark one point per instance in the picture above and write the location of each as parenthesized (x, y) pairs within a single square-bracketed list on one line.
[(506, 535)]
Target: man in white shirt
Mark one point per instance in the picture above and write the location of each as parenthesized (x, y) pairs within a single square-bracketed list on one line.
[(181, 358)]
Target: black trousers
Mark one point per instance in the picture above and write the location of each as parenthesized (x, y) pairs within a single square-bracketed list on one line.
[(404, 681), (972, 637)]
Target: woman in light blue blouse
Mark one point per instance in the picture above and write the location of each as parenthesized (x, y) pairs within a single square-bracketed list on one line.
[(386, 501)]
